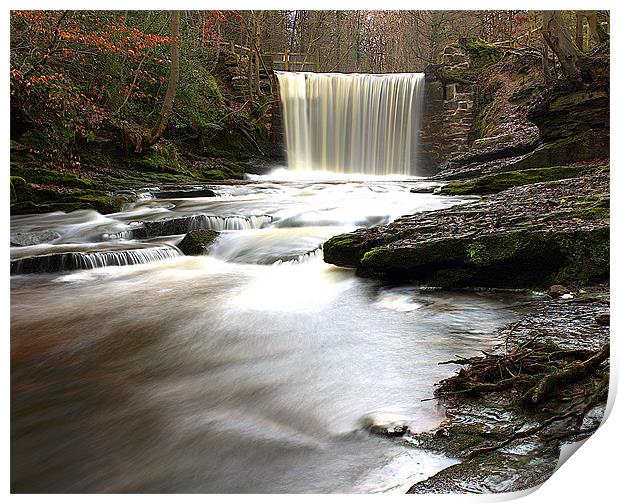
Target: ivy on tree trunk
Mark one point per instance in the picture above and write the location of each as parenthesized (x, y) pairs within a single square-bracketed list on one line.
[(173, 81)]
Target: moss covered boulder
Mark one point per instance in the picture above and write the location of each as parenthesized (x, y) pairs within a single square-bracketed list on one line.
[(514, 259), (198, 241), (533, 235), (497, 182)]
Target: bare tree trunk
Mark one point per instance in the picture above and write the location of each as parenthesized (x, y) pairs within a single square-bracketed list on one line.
[(338, 39), (257, 47), (597, 33), (579, 31), (173, 81), (557, 36), (545, 64)]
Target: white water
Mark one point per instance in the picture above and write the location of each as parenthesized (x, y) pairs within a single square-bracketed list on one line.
[(250, 369), (65, 257), (352, 123)]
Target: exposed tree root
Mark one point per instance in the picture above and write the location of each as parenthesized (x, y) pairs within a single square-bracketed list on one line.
[(575, 371), (595, 396), (538, 370), (531, 375)]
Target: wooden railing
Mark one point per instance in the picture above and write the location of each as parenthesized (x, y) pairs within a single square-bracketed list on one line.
[(295, 62), (287, 61)]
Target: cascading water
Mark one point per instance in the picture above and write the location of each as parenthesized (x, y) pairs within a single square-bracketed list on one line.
[(182, 225), (252, 368), (57, 259), (352, 123)]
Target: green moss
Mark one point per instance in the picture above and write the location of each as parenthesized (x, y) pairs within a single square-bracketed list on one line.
[(343, 250), (214, 175), (198, 241), (526, 92), (44, 176), (199, 104), (520, 258), (490, 184), (488, 116), (163, 157), (595, 213), (20, 189), (103, 203), (477, 253), (483, 53), (413, 260)]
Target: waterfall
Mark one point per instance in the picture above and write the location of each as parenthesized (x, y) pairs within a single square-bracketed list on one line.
[(182, 225), (67, 261), (352, 123)]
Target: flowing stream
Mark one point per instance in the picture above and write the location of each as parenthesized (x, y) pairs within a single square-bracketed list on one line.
[(250, 369)]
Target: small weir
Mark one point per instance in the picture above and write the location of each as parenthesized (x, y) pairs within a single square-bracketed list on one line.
[(77, 260), (181, 225)]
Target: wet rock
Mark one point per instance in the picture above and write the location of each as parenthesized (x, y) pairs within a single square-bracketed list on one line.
[(511, 259), (556, 291), (502, 180), (168, 227), (58, 258), (185, 224), (603, 318), (185, 193), (33, 238), (490, 417), (385, 425), (426, 187), (198, 241), (496, 147), (534, 235)]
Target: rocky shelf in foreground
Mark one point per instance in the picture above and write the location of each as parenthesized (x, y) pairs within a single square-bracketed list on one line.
[(510, 411), (533, 235)]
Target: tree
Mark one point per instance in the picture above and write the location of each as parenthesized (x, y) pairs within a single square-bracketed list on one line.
[(597, 33), (579, 30), (556, 34), (173, 81)]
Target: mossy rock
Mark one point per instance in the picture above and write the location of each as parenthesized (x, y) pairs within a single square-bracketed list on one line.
[(585, 146), (28, 201), (348, 249), (494, 183), (102, 202), (47, 176), (20, 189), (198, 241), (483, 53), (164, 157), (517, 259)]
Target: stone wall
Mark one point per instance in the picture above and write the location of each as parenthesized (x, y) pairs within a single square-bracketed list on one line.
[(446, 129), (237, 66), (449, 110)]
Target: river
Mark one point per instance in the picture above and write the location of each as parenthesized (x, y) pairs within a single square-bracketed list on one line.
[(250, 369)]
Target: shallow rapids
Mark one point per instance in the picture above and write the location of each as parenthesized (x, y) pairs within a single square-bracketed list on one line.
[(250, 369)]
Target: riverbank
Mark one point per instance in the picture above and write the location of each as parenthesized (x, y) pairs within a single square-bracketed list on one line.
[(39, 187), (510, 411)]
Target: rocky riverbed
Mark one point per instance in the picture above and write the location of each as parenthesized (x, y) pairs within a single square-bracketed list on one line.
[(509, 411), (505, 441)]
